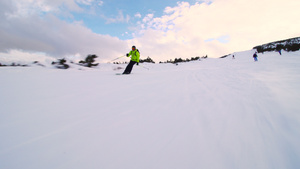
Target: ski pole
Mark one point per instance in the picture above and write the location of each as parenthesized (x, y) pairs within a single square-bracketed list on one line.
[(143, 67), (117, 58)]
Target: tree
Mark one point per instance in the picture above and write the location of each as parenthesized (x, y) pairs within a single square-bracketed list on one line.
[(89, 61), (149, 60), (61, 64)]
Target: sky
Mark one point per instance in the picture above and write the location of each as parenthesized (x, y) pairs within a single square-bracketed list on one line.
[(163, 30)]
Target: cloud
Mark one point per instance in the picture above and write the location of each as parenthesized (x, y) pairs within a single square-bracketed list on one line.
[(56, 37), (118, 19), (52, 36), (216, 27), (222, 39), (27, 8), (24, 57), (90, 2), (85, 2), (138, 15), (208, 2), (100, 3), (148, 18), (212, 28)]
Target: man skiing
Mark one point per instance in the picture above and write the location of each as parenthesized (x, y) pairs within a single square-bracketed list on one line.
[(135, 59)]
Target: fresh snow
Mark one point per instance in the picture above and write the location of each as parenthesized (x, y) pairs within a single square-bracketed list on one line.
[(211, 114)]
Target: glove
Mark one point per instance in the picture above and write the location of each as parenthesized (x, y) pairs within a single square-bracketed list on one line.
[(127, 54), (137, 63)]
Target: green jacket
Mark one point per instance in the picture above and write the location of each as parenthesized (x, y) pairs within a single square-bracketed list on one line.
[(135, 55)]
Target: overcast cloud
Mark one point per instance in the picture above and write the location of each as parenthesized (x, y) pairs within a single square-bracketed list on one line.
[(29, 32)]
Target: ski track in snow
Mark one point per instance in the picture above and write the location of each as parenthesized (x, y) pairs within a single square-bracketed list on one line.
[(216, 113)]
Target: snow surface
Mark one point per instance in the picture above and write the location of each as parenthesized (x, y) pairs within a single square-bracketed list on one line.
[(211, 114)]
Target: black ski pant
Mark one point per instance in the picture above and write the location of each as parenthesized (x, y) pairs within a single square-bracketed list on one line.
[(129, 67)]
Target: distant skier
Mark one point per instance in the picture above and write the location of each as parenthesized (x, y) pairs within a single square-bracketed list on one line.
[(135, 59), (278, 49), (233, 57), (255, 56)]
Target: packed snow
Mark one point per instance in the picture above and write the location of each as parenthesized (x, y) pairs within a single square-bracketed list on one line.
[(211, 114)]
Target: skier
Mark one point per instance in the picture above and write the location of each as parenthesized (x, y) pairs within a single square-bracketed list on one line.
[(279, 51), (135, 59), (255, 56), (278, 48)]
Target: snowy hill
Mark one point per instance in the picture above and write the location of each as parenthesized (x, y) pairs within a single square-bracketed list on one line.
[(292, 44), (213, 114)]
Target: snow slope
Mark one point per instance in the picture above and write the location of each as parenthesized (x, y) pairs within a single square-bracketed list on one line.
[(213, 114)]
